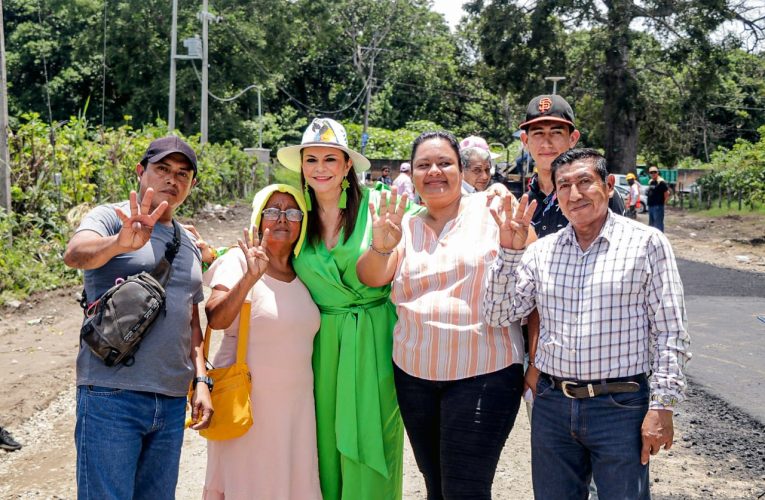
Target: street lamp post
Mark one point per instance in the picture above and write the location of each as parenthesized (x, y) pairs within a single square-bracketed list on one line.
[(555, 80)]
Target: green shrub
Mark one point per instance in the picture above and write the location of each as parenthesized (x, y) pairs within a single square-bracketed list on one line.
[(82, 166), (739, 169)]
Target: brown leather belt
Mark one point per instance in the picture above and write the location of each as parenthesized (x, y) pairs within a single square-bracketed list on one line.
[(576, 389)]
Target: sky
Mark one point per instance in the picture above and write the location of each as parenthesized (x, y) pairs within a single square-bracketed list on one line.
[(451, 9)]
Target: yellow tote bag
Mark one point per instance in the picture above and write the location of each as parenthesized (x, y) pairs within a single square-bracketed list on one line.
[(232, 407)]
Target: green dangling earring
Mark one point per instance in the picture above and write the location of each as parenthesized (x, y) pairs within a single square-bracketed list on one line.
[(344, 195), (307, 196)]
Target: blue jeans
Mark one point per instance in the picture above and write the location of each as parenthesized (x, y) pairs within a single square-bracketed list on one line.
[(656, 216), (573, 440), (458, 428), (128, 443)]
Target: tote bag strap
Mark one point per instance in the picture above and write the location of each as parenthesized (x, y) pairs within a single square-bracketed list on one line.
[(244, 332)]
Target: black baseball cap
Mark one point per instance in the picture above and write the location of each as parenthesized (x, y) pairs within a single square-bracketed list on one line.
[(551, 108), (164, 146)]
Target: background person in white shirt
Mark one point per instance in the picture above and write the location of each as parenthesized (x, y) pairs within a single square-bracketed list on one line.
[(404, 182), (633, 201), (612, 343)]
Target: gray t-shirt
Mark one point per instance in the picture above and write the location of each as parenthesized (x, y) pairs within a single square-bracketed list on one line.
[(163, 359)]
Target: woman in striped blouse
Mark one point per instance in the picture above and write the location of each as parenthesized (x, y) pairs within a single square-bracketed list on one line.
[(459, 381)]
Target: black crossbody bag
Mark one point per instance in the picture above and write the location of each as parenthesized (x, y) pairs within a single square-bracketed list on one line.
[(117, 322)]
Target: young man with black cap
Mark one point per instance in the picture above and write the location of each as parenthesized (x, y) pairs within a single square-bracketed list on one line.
[(130, 417), (548, 131)]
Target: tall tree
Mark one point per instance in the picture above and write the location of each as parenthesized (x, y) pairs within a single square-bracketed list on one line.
[(682, 23)]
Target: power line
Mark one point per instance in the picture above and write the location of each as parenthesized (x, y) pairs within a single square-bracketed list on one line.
[(233, 98), (52, 134), (307, 107), (444, 91), (103, 73), (45, 72), (735, 107), (252, 86), (223, 99)]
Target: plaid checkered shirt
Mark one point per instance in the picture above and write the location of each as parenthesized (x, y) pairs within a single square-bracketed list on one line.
[(614, 310)]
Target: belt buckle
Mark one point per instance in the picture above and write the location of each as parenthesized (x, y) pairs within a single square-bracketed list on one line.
[(564, 388)]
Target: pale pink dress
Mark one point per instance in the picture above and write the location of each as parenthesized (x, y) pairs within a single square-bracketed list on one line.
[(277, 458)]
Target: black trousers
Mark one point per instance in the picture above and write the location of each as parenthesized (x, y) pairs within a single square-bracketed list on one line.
[(458, 428)]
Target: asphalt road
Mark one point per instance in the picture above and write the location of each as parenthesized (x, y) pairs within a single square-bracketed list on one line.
[(726, 321)]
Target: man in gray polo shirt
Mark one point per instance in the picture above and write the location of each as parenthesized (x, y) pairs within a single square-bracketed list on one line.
[(130, 418)]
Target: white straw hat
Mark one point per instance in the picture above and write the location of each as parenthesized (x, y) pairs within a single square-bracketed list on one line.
[(321, 132)]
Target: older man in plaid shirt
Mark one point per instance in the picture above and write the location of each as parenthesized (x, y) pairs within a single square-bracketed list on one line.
[(612, 344)]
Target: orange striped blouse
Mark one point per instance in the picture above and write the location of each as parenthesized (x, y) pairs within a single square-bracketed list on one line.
[(438, 290)]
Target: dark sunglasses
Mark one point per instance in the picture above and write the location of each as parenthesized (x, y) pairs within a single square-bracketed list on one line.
[(653, 172), (292, 214)]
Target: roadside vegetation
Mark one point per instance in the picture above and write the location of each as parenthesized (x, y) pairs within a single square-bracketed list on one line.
[(736, 179), (88, 89), (54, 186)]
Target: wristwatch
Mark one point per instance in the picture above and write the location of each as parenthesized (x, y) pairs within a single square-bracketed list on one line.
[(664, 399), (206, 380)]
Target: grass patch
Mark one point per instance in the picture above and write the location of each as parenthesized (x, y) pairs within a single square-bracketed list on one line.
[(757, 212), (33, 264), (282, 175)]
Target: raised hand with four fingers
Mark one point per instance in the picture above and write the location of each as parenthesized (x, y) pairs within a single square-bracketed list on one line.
[(386, 226), (254, 250), (514, 224)]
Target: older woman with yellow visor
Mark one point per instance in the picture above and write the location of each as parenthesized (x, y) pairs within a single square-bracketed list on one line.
[(277, 457)]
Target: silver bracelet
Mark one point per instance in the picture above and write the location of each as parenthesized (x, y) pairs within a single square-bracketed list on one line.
[(384, 254)]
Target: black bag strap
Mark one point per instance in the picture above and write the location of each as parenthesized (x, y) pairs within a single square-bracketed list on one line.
[(171, 249), (162, 272)]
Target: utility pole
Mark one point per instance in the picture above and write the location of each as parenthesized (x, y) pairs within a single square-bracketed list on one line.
[(370, 83), (196, 49), (203, 124), (173, 45), (5, 162)]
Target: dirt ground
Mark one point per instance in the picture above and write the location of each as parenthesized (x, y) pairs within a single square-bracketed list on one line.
[(718, 451), (733, 241)]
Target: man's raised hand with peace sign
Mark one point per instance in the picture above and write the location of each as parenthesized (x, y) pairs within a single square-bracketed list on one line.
[(139, 223), (90, 250)]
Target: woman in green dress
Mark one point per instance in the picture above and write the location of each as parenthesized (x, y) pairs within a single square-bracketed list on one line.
[(359, 429)]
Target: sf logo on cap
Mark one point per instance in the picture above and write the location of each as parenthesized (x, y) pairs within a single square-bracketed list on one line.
[(545, 104)]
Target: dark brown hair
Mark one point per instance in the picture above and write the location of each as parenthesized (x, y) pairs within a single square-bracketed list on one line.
[(348, 215), (439, 134)]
